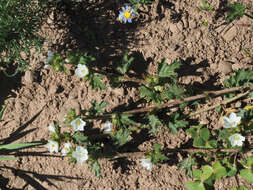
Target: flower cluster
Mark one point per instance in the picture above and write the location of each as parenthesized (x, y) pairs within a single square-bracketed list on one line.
[(80, 153), (232, 122)]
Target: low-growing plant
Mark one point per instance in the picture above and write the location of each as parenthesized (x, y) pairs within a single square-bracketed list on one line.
[(221, 150), (20, 21), (236, 10)]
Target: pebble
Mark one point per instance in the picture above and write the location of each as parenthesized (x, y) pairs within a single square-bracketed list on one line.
[(230, 34), (29, 77), (225, 67)]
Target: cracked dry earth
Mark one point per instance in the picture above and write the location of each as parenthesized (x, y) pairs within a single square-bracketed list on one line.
[(173, 30)]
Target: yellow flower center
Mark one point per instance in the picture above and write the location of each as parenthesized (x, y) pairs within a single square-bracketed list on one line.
[(78, 122), (127, 14), (83, 71), (236, 138), (53, 145), (65, 148)]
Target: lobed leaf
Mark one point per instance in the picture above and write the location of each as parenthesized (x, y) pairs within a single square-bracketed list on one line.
[(206, 173), (236, 10), (165, 70), (195, 185), (154, 123), (247, 174)]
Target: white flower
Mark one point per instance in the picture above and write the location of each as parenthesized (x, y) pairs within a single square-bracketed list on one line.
[(78, 124), (236, 139), (53, 146), (107, 127), (50, 56), (81, 71), (66, 149), (232, 121), (80, 154), (146, 163), (51, 128)]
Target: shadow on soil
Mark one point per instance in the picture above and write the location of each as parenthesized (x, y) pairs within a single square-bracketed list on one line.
[(8, 85), (93, 27), (34, 181)]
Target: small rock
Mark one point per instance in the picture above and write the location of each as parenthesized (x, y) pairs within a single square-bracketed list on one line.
[(192, 24), (69, 104), (173, 28), (230, 34), (52, 89), (29, 77), (225, 67)]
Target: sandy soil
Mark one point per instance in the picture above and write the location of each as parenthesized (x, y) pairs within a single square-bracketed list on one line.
[(173, 30)]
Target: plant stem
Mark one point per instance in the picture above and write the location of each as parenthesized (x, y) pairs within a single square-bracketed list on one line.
[(222, 103), (172, 103), (190, 150), (248, 15), (123, 78)]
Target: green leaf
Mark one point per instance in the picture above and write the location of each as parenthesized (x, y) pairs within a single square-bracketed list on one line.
[(149, 95), (197, 174), (95, 82), (18, 146), (156, 155), (7, 158), (80, 138), (121, 137), (187, 164), (165, 70), (176, 123), (173, 92), (204, 4), (204, 134), (125, 120), (2, 111), (125, 63), (236, 10), (199, 142), (97, 108), (154, 123), (207, 172), (95, 166), (250, 161), (247, 174), (240, 78), (240, 188), (195, 185), (219, 170)]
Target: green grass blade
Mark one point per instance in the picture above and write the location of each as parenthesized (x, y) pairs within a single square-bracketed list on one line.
[(7, 158), (18, 146), (204, 4), (2, 111)]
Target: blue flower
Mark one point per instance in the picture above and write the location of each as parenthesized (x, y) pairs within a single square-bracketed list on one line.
[(126, 14)]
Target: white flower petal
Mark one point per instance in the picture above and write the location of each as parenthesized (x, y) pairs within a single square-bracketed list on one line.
[(51, 128), (66, 149), (236, 139), (53, 146), (107, 127), (146, 163), (81, 71), (232, 121), (80, 154), (78, 124)]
